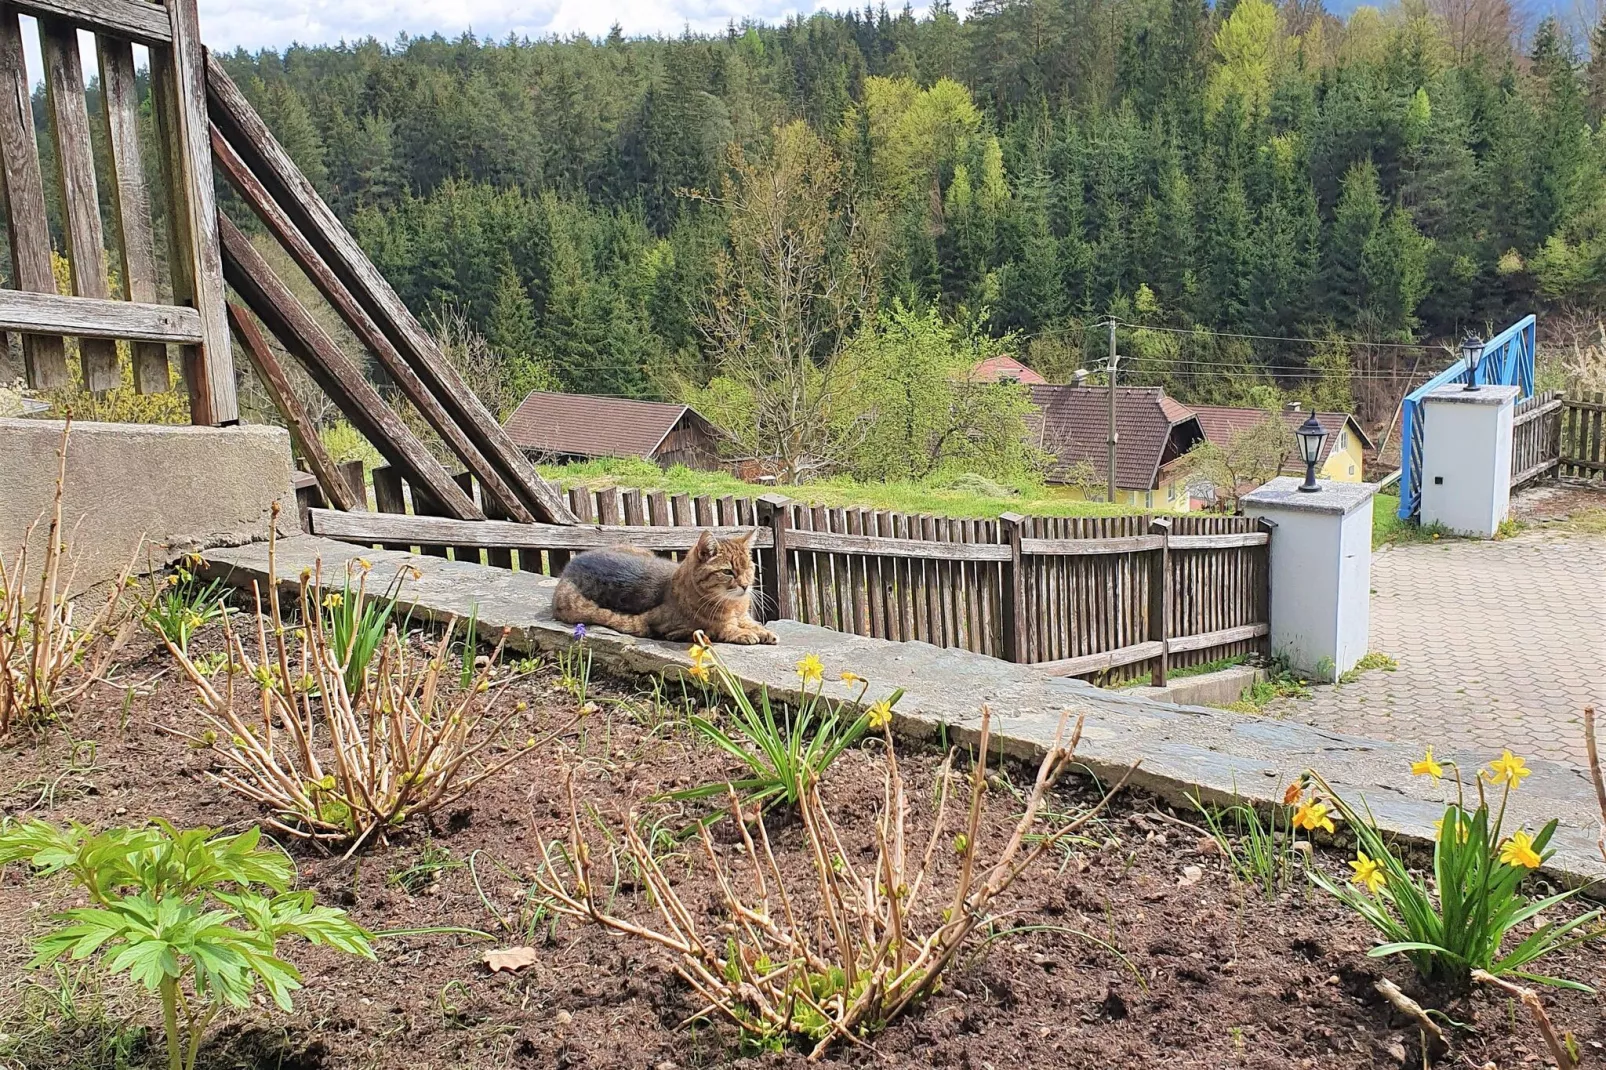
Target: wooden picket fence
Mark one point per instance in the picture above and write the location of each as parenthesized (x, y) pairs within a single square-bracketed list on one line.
[(1582, 437), (1115, 598), (1536, 437)]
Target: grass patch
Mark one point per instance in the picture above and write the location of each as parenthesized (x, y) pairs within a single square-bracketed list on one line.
[(1373, 660), (1583, 522), (1280, 682), (1389, 529), (1189, 670), (960, 496)]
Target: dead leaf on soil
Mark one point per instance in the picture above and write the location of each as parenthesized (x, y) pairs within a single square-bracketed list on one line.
[(1191, 875), (511, 959)]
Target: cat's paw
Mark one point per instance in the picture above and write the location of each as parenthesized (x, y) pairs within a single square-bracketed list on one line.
[(767, 637), (744, 639)]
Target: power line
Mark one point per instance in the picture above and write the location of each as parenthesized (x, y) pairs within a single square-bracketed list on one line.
[(1281, 338)]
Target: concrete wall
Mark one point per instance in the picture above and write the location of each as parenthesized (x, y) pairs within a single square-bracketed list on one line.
[(1466, 458), (176, 489)]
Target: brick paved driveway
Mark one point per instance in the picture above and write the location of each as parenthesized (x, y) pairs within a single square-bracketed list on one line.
[(1499, 644)]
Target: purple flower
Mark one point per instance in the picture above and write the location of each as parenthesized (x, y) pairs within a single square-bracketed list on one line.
[(579, 631)]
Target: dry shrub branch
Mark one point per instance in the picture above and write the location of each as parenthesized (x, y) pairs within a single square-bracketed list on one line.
[(46, 659), (340, 768), (839, 959)]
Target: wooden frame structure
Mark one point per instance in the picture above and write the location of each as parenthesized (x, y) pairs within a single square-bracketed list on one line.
[(195, 321)]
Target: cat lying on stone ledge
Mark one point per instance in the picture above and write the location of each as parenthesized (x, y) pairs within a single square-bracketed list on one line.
[(632, 591)]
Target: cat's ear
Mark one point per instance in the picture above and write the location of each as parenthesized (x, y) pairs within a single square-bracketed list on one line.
[(705, 547), (747, 540)]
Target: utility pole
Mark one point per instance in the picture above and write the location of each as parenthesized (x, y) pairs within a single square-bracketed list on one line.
[(1114, 360)]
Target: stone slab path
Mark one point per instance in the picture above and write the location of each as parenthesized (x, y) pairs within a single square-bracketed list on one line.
[(1183, 749), (1499, 644)]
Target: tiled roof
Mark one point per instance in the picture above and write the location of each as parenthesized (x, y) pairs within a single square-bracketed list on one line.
[(585, 425), (994, 369), (1072, 423), (1221, 424)]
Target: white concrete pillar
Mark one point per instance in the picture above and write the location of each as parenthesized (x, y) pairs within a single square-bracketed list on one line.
[(1466, 458), (1321, 571)]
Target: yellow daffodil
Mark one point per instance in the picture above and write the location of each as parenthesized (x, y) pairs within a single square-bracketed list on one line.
[(810, 669), (1519, 851), (698, 672), (1313, 815), (333, 600), (364, 564), (1507, 769), (1292, 794), (1368, 874), (1427, 766), (700, 655), (880, 714), (1462, 832), (851, 678)]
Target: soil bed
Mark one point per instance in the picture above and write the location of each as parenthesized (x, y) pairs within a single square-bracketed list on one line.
[(1109, 955)]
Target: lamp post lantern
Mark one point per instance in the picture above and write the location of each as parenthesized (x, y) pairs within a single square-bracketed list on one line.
[(1310, 437), (1471, 353)]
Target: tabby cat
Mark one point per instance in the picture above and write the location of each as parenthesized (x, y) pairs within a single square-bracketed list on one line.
[(632, 591)]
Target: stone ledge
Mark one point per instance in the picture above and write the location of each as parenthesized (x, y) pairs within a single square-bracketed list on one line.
[(1185, 750)]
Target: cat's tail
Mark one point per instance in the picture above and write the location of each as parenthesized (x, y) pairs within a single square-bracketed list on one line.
[(572, 607)]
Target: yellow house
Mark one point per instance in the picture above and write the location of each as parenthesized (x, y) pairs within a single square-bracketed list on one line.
[(1153, 432), (1343, 450)]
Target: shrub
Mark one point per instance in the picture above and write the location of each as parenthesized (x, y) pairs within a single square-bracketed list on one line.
[(1459, 922), (46, 659), (781, 754), (870, 950), (342, 767), (193, 916)]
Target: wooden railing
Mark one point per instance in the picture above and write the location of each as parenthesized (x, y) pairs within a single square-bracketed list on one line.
[(1116, 598), (194, 321), (1536, 437), (1583, 438)]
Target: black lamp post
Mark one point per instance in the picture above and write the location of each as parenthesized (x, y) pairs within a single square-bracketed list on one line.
[(1472, 353), (1310, 437)]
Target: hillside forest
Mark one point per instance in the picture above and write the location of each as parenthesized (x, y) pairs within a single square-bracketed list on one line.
[(1271, 200)]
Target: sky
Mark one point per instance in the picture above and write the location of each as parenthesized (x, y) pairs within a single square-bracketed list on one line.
[(255, 24)]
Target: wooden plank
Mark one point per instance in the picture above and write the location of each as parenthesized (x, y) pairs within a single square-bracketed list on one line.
[(44, 357), (68, 110), (465, 551), (1221, 637), (367, 332), (285, 183), (634, 507), (894, 547), (303, 432), (136, 20), (178, 94), (98, 318), (774, 562), (1160, 601), (1014, 594), (1101, 545), (130, 200), (1218, 542), (1103, 661), (345, 384)]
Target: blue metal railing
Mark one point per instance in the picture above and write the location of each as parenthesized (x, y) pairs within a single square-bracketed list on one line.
[(1508, 360)]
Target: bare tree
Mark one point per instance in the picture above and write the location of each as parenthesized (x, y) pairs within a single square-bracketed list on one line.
[(790, 291), (1477, 28), (1248, 459)]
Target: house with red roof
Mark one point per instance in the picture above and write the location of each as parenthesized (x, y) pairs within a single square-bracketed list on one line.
[(1152, 431), (551, 427), (1343, 456), (1005, 369)]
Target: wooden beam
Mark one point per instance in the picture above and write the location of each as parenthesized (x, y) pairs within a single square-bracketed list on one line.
[(1219, 542), (303, 431), (91, 317), (130, 200), (367, 332), (284, 182), (80, 200), (136, 20), (1185, 643), (833, 542), (266, 295), (44, 357), (1081, 547), (1126, 655), (178, 95), (369, 528)]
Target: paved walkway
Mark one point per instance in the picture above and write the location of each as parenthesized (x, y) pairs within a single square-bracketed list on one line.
[(1500, 644)]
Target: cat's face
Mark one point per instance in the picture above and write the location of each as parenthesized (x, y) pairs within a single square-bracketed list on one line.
[(723, 568)]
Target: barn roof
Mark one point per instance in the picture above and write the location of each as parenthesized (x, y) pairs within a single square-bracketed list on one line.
[(1221, 424), (586, 425), (1004, 368), (1072, 423)]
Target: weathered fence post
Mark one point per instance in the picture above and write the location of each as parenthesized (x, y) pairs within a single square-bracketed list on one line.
[(1160, 600), (1014, 590), (773, 513), (1269, 526)]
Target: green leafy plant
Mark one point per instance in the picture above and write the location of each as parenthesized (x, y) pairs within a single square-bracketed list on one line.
[(574, 666), (194, 917), (1457, 924), (180, 605), (471, 648), (781, 753), (356, 621)]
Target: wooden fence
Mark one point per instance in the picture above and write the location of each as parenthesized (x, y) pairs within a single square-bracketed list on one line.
[(1116, 598), (1536, 437), (1583, 438)]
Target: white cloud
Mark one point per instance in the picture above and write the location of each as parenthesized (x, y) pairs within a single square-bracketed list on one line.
[(255, 24)]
